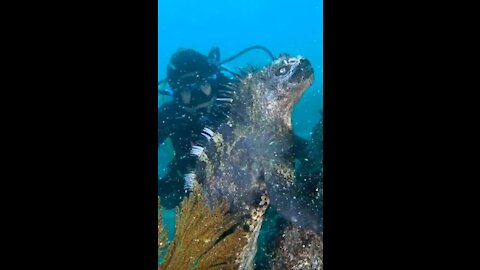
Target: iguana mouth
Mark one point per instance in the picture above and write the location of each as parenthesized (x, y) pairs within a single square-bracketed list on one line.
[(303, 71)]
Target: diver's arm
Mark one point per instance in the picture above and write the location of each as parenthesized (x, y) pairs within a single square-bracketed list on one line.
[(209, 123)]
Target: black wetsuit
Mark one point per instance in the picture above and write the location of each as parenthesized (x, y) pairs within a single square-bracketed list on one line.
[(184, 129)]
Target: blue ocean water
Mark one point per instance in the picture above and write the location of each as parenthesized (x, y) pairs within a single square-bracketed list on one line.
[(294, 27)]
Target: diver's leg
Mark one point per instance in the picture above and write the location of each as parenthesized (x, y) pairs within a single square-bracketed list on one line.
[(170, 189)]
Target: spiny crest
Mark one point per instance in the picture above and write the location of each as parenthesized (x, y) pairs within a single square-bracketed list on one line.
[(230, 86), (248, 69), (246, 72)]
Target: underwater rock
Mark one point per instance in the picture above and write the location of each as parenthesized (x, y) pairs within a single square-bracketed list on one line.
[(299, 249), (250, 160)]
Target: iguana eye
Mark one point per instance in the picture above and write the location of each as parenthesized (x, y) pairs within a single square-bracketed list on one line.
[(282, 70), (292, 60)]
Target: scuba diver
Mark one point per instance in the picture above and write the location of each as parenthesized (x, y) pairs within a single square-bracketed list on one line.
[(200, 103)]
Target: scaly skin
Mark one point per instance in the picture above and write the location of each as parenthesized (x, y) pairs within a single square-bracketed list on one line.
[(250, 160)]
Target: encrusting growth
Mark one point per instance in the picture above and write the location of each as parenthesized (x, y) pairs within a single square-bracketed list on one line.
[(200, 242)]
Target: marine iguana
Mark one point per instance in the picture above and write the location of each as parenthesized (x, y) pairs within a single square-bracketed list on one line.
[(249, 160)]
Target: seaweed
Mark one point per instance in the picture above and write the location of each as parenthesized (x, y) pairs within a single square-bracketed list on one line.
[(205, 238)]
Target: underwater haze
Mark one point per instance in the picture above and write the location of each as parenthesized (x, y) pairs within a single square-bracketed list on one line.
[(293, 27)]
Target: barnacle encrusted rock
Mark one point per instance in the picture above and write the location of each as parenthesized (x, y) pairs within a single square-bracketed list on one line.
[(299, 249)]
